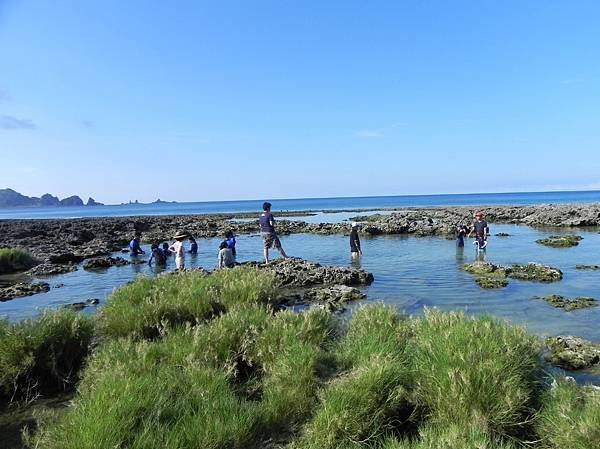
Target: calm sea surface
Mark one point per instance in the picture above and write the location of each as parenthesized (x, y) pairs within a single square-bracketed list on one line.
[(373, 202)]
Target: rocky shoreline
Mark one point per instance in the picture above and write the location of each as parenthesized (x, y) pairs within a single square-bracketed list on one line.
[(68, 241)]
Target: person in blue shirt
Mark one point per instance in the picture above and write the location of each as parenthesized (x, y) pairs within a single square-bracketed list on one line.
[(134, 246), (193, 246), (230, 240)]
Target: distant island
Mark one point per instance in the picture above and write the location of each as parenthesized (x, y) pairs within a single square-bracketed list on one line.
[(11, 198)]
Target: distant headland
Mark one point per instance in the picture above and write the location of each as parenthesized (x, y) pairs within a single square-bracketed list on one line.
[(11, 198)]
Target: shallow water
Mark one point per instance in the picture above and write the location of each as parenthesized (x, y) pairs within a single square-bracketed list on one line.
[(410, 273)]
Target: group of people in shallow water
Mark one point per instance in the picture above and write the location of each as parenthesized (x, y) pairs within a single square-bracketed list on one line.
[(227, 253)]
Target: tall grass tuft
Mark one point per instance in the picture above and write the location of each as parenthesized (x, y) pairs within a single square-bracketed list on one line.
[(44, 353), (148, 306), (13, 260), (570, 417), (475, 370)]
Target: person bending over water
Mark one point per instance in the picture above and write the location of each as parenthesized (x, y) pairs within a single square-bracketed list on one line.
[(158, 255), (134, 246), (193, 246), (226, 259), (267, 229), (177, 249), (355, 250)]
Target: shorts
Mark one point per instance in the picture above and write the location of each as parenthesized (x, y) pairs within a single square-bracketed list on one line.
[(271, 240)]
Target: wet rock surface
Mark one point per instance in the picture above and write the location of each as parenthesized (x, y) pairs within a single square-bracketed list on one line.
[(489, 282), (295, 272), (560, 241), (573, 353), (535, 272), (23, 289), (580, 302), (102, 263)]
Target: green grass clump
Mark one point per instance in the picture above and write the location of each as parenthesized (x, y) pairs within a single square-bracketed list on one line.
[(570, 417), (44, 353), (475, 370), (13, 260), (132, 398), (453, 436), (371, 397), (146, 307)]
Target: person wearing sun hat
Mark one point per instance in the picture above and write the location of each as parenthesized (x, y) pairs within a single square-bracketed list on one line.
[(177, 249), (355, 250)]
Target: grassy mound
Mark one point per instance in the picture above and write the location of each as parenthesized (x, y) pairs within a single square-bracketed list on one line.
[(43, 354), (570, 417), (144, 308), (13, 260)]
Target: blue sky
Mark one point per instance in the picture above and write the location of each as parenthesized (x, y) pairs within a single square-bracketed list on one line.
[(219, 100)]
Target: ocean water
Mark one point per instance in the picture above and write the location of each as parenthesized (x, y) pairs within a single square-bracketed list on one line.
[(374, 202)]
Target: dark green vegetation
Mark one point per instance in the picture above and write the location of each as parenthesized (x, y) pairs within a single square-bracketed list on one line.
[(489, 275), (236, 373), (13, 260), (581, 302), (560, 241)]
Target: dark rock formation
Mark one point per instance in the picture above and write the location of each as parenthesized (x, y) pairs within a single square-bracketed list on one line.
[(102, 263), (92, 202), (49, 200), (82, 305), (22, 289), (588, 267), (71, 201), (301, 273)]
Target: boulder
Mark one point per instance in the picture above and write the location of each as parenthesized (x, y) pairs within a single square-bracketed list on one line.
[(82, 305), (334, 293), (588, 267), (489, 282), (485, 269), (64, 258), (573, 353)]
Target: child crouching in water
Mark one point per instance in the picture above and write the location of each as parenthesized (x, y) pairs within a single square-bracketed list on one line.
[(177, 249), (226, 259)]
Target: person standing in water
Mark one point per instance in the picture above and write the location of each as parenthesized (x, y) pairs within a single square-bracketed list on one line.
[(355, 250), (480, 227), (158, 256), (461, 233), (177, 249), (226, 259), (230, 240), (267, 229)]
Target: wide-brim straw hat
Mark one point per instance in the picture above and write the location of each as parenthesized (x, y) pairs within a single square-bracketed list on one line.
[(181, 235)]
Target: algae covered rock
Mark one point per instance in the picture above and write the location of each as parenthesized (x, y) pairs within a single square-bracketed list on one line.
[(572, 353), (489, 282), (580, 302), (502, 234), (560, 241), (334, 293), (101, 263), (23, 289), (535, 272), (485, 269)]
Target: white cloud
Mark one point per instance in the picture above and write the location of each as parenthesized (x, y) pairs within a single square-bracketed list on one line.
[(8, 122)]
